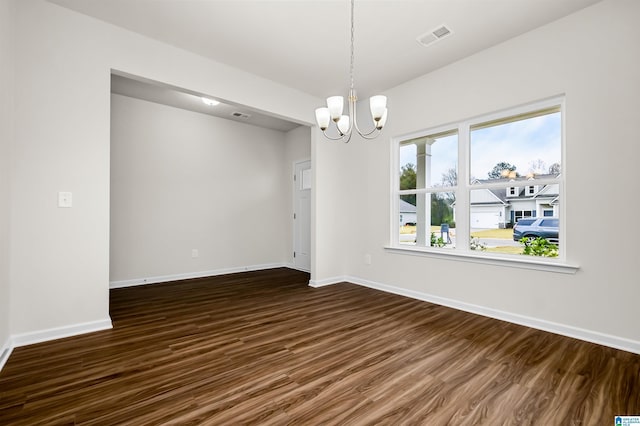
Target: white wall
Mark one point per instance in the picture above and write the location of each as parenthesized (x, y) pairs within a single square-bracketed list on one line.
[(60, 257), (334, 187), (7, 57), (598, 72), (181, 180)]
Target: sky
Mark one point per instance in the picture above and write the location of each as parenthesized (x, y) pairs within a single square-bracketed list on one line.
[(519, 143)]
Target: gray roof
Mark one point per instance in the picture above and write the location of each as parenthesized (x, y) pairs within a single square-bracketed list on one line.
[(501, 194), (518, 179), (406, 207)]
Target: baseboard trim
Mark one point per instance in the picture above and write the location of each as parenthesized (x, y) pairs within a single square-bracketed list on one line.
[(190, 275), (327, 281), (5, 352), (33, 337), (609, 340)]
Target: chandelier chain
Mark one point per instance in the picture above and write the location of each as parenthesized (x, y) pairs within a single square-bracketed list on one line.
[(347, 123), (352, 42)]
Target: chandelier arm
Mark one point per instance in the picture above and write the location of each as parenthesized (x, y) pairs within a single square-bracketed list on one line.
[(339, 138), (364, 134), (368, 135), (354, 120)]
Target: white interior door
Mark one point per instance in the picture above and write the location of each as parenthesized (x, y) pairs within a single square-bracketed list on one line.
[(302, 217)]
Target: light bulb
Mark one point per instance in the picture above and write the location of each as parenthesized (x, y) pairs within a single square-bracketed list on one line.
[(380, 124), (335, 105), (210, 102), (378, 104), (322, 118), (343, 124)]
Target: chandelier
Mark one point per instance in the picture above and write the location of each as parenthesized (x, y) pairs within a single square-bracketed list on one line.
[(346, 123)]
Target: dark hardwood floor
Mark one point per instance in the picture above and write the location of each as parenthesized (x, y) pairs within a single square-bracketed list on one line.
[(264, 348)]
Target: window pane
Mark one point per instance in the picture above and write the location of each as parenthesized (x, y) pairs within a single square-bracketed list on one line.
[(549, 222), (427, 220), (429, 161), (514, 226), (408, 162), (517, 148), (408, 219), (306, 179)]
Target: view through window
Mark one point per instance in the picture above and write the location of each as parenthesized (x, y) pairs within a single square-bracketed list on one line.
[(490, 185)]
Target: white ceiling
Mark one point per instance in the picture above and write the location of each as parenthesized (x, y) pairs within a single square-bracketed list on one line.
[(304, 44)]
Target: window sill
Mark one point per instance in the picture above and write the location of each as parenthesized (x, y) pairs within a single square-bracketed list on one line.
[(549, 265)]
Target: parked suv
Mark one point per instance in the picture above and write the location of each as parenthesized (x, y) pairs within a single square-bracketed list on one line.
[(532, 227)]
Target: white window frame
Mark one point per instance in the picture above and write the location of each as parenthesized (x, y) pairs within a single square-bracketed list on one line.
[(531, 189), (462, 191)]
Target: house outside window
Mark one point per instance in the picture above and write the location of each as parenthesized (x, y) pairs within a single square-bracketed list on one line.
[(477, 178)]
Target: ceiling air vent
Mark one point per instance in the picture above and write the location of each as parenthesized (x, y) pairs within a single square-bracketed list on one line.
[(240, 115), (434, 35)]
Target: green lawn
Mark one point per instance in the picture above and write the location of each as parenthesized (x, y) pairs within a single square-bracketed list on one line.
[(505, 250), (505, 234), (412, 229), (407, 229)]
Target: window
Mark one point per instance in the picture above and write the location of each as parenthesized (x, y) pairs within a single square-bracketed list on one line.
[(519, 214), (554, 223), (306, 179), (469, 183), (525, 222), (427, 173)]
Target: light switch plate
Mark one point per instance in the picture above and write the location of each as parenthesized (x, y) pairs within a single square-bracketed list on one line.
[(64, 199)]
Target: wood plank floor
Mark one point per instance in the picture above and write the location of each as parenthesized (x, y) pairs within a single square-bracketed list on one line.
[(264, 348)]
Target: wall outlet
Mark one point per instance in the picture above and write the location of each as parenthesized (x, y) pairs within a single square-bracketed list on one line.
[(194, 253), (367, 259), (65, 199)]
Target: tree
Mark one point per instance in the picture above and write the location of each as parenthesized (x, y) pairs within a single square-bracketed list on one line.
[(555, 169), (408, 176), (441, 210), (501, 168), (537, 166), (408, 181), (450, 177)]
